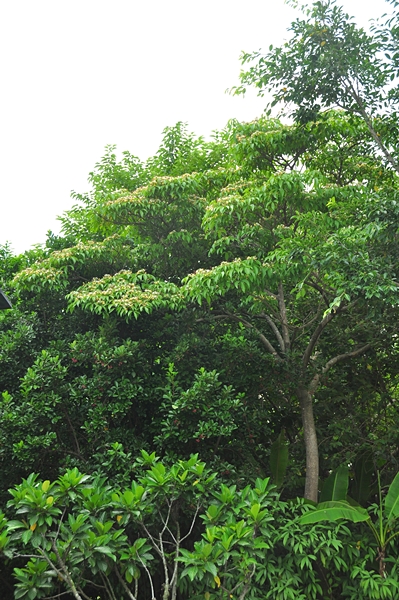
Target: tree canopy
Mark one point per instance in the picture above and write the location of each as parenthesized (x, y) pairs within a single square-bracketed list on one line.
[(285, 238)]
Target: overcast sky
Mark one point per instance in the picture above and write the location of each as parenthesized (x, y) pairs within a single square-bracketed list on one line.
[(79, 74)]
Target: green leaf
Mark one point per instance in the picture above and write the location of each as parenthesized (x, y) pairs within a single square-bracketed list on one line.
[(391, 505), (191, 572), (279, 459), (255, 508), (15, 525), (128, 576), (211, 568), (336, 485), (128, 496), (212, 512), (25, 537), (364, 467), (333, 511), (105, 550)]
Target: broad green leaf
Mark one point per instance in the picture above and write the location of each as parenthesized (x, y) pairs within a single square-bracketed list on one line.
[(207, 549), (255, 508), (391, 505), (333, 511), (26, 536), (105, 550), (15, 525), (128, 496), (336, 485), (191, 572), (364, 467), (128, 576), (279, 459), (211, 568)]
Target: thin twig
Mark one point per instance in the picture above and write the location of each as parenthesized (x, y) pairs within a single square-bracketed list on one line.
[(124, 585)]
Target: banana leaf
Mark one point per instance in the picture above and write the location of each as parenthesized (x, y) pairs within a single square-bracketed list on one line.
[(336, 485), (333, 511), (363, 471), (391, 504), (279, 459)]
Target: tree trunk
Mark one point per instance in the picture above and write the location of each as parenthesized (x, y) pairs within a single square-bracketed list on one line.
[(311, 446)]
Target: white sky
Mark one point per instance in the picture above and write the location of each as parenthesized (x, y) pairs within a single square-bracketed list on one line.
[(76, 75)]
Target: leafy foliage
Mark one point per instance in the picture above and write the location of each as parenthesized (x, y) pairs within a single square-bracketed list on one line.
[(235, 298)]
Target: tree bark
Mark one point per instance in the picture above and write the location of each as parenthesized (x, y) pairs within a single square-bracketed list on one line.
[(311, 445), (305, 396)]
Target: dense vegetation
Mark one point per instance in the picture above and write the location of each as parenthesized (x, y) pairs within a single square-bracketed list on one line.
[(210, 348)]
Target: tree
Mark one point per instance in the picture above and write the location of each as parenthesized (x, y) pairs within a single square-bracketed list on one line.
[(316, 249), (286, 241), (329, 62), (90, 381)]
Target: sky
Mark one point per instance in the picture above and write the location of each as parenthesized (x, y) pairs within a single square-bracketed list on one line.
[(76, 75)]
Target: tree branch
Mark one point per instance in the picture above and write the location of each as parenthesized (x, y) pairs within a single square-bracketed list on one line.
[(173, 581), (341, 357), (315, 337), (211, 318), (283, 315), (124, 585), (149, 577), (302, 328), (319, 289), (355, 95), (78, 452), (192, 524), (275, 331), (269, 347), (57, 596), (320, 328), (333, 361)]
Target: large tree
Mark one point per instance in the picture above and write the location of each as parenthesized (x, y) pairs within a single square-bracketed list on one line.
[(278, 233), (92, 380)]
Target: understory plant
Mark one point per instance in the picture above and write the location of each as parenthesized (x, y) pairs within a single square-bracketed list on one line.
[(254, 547), (381, 519), (80, 535), (175, 533)]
